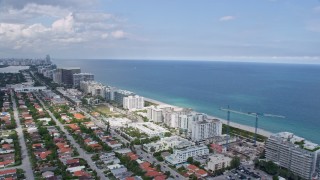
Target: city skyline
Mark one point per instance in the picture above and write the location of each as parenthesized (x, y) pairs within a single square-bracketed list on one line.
[(267, 31)]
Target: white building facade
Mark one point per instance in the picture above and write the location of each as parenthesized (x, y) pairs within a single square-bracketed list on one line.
[(281, 149), (202, 130), (133, 102), (93, 88), (218, 161), (174, 142), (154, 114), (181, 155)]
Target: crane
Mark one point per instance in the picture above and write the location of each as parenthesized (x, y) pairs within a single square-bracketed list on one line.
[(251, 114)]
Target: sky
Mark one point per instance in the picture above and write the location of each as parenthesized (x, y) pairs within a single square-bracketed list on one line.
[(250, 30)]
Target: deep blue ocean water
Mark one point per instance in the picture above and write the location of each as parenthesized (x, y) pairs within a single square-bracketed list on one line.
[(291, 90)]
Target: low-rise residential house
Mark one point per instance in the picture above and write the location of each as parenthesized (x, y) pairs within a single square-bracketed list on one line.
[(151, 172), (37, 146), (47, 174), (73, 163), (199, 173), (6, 163), (93, 144), (132, 156), (32, 130), (6, 140), (29, 123), (74, 127), (121, 172), (6, 148), (27, 116), (89, 124), (45, 120), (79, 116), (114, 144), (42, 155), (82, 174), (76, 168), (9, 173)]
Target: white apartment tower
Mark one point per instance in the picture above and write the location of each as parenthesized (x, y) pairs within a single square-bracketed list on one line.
[(203, 128), (154, 114), (282, 150), (133, 102)]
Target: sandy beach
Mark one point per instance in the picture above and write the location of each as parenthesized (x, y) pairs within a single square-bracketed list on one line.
[(224, 121)]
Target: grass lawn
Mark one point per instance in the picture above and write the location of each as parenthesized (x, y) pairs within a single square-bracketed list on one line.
[(103, 109)]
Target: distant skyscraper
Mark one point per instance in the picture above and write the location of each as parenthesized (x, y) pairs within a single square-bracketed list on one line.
[(120, 94), (65, 75), (48, 59), (57, 76)]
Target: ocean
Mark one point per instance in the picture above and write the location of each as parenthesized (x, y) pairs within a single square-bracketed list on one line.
[(290, 90)]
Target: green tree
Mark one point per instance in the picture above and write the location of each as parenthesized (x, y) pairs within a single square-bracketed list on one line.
[(235, 162), (152, 149), (190, 160), (158, 167), (271, 168), (275, 177), (167, 134)]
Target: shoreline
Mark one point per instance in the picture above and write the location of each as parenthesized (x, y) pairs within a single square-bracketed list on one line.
[(224, 121)]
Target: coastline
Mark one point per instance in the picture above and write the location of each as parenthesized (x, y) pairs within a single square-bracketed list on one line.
[(224, 121)]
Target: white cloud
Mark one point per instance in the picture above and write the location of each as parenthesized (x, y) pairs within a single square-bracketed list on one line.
[(39, 26), (227, 18), (104, 35), (118, 34), (31, 11), (64, 25)]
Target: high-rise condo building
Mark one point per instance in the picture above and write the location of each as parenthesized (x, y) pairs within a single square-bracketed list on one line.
[(294, 153), (77, 78)]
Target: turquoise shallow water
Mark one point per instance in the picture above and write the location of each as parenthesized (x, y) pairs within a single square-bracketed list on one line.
[(285, 89)]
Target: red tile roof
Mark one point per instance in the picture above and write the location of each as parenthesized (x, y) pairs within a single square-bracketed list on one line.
[(71, 161), (192, 167), (74, 126), (153, 173), (163, 177), (130, 178), (132, 156), (145, 165), (81, 173), (9, 171), (43, 155), (6, 146), (6, 162), (78, 116), (201, 172)]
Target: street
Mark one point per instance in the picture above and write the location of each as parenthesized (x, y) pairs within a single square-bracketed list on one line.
[(26, 165)]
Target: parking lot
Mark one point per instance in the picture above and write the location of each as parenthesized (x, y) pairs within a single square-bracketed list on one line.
[(246, 173)]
